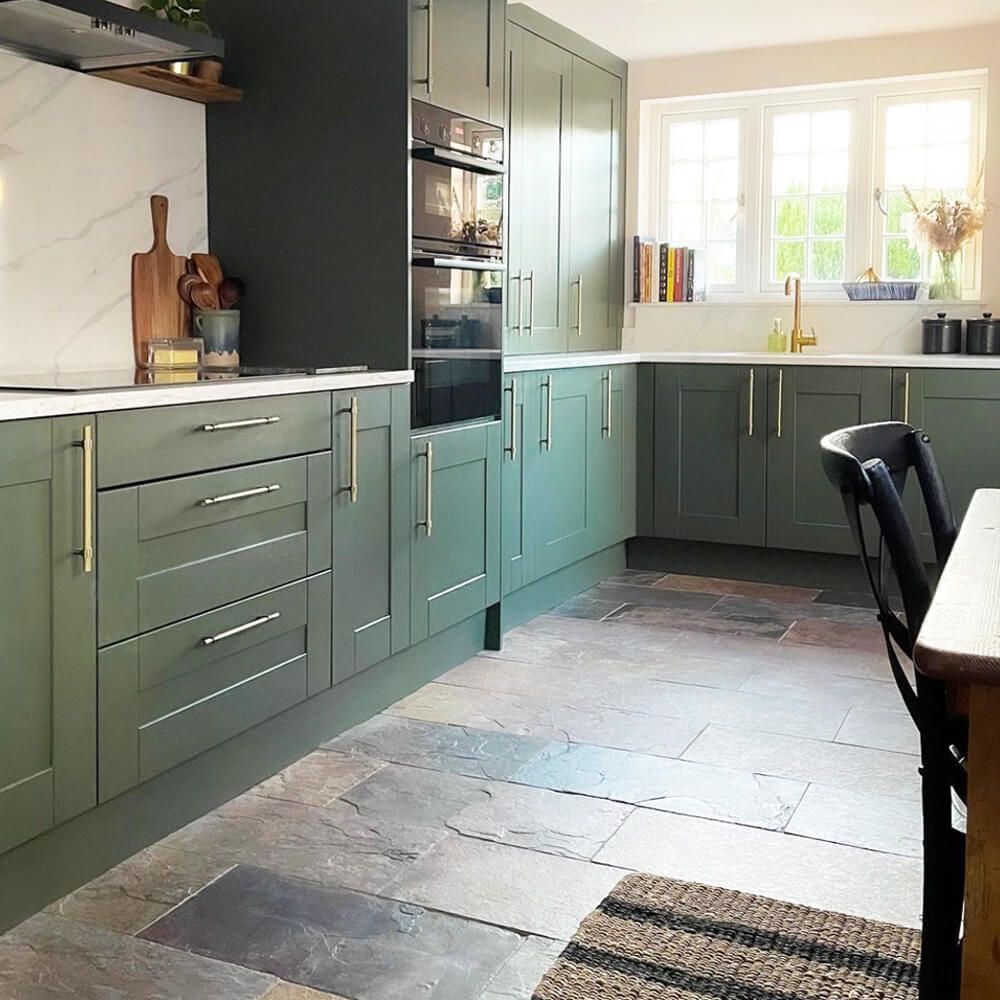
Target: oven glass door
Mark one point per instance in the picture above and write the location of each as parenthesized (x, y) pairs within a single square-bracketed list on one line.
[(457, 210), (464, 386)]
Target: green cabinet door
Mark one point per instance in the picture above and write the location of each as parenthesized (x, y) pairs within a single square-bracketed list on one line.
[(455, 527), (805, 403), (538, 265), (48, 679), (594, 245), (560, 469), (613, 449), (513, 547), (457, 56), (959, 410), (709, 453), (371, 542)]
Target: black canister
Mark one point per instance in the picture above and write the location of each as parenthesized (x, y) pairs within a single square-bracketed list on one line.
[(982, 336), (942, 335)]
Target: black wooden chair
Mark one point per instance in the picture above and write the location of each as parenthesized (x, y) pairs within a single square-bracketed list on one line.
[(870, 466)]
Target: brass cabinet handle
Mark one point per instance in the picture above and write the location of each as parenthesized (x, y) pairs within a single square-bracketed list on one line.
[(906, 398), (547, 440), (428, 523), (86, 446), (235, 425), (753, 376), (428, 80), (258, 491), (211, 640), (781, 398), (530, 325), (611, 389), (606, 403), (354, 449), (511, 449), (516, 325), (579, 304)]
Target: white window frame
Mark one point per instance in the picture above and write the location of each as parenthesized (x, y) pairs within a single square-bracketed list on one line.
[(864, 229), (661, 197)]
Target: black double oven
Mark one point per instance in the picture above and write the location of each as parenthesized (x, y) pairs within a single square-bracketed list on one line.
[(457, 267)]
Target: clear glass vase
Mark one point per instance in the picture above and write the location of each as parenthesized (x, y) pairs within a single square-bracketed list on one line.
[(946, 275)]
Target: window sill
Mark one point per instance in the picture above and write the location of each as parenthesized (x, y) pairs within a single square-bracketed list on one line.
[(812, 302)]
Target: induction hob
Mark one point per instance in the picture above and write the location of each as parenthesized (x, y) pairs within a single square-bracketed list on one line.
[(104, 381)]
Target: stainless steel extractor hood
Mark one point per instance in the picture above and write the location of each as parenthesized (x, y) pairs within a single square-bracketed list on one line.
[(96, 34)]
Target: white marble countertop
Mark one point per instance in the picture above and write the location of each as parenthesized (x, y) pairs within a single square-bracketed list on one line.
[(18, 405), (542, 362)]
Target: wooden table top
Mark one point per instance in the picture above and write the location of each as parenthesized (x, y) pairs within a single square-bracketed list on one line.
[(960, 639)]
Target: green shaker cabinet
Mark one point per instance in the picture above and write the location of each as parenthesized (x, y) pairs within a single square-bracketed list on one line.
[(804, 403), (513, 540), (455, 526), (457, 56), (614, 457), (709, 453), (371, 490), (48, 723)]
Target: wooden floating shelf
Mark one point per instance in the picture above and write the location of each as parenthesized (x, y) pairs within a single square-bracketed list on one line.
[(163, 81)]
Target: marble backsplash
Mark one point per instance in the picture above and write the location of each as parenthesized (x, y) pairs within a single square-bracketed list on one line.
[(842, 327), (79, 159)]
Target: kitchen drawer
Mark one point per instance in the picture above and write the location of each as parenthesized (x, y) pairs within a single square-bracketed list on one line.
[(141, 445), (174, 693), (170, 550)]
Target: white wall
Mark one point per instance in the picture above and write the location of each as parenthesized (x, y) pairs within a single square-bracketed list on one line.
[(79, 159), (841, 326)]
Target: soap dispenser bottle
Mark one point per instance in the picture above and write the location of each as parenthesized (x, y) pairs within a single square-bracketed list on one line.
[(777, 340)]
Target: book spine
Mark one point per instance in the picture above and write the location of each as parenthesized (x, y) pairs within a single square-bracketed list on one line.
[(662, 284), (671, 260), (636, 269), (679, 275), (690, 276)]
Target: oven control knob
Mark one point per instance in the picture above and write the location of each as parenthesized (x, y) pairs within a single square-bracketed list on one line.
[(425, 128), (444, 133)]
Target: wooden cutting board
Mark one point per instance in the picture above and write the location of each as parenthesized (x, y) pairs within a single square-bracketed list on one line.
[(158, 311)]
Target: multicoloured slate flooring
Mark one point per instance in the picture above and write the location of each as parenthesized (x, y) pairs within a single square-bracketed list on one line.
[(740, 735)]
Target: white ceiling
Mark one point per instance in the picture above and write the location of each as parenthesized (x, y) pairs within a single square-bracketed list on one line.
[(644, 29)]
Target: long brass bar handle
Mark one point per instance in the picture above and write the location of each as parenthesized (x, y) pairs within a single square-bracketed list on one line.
[(516, 315), (579, 304), (611, 389), (781, 399), (753, 376), (511, 449), (86, 553), (354, 449), (530, 325), (547, 440), (211, 640), (235, 425), (258, 491), (906, 398), (428, 80), (428, 523)]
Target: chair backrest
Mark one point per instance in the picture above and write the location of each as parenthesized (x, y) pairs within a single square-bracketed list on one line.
[(869, 465)]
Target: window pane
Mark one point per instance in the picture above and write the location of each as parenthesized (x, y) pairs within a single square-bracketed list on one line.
[(899, 211), (685, 223), (686, 140), (948, 167), (906, 124), (949, 121), (905, 166), (831, 130), (826, 261), (722, 138), (722, 220), (829, 172), (902, 260), (721, 263), (791, 216), (722, 179), (791, 174), (788, 257), (685, 181), (791, 133), (829, 216)]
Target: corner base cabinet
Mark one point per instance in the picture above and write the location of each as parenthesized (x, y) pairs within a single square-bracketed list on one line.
[(48, 716), (455, 526)]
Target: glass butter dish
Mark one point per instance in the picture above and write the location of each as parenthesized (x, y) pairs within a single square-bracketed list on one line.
[(182, 354)]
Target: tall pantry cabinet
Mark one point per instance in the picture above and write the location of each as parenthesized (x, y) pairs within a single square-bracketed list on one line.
[(565, 239)]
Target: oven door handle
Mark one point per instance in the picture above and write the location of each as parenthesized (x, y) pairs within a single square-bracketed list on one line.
[(460, 161), (458, 263)]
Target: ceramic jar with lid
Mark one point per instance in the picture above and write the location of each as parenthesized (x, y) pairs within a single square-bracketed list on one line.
[(982, 335), (942, 335)]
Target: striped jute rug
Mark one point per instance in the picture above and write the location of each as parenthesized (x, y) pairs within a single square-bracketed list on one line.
[(656, 939)]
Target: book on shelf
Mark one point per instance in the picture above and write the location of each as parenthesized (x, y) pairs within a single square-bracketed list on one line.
[(662, 273)]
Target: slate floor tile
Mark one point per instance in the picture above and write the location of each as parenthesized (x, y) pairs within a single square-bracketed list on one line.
[(636, 578), (584, 606), (788, 613), (638, 636), (883, 729), (52, 958), (506, 886), (835, 634), (847, 598), (810, 872), (319, 779), (136, 892), (877, 822), (736, 588), (524, 969), (335, 940), (652, 597), (475, 752), (807, 684), (289, 991), (683, 620), (333, 846), (540, 718), (670, 785), (859, 769)]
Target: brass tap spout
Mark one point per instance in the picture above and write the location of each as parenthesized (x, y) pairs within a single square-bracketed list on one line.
[(798, 338)]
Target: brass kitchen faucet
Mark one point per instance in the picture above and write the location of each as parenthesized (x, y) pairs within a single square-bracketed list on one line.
[(799, 338)]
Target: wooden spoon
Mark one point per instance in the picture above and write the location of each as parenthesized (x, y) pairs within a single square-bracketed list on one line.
[(209, 268), (184, 285), (204, 296), (231, 292)]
